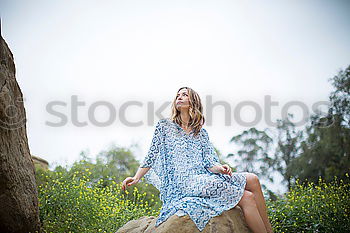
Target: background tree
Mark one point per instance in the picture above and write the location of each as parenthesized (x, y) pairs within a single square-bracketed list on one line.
[(288, 148), (254, 155), (326, 148), (340, 97)]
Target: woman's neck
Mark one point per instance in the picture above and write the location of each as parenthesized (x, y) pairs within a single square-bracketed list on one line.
[(185, 118)]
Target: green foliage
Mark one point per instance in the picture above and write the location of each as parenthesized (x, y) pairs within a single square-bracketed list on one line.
[(254, 156), (288, 148), (111, 166), (87, 197), (322, 148), (340, 97), (326, 149), (310, 207), (118, 162), (325, 153), (77, 204)]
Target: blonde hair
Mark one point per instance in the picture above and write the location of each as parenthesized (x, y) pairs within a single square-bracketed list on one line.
[(195, 111)]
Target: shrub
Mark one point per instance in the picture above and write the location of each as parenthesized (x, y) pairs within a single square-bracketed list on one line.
[(79, 205), (322, 207)]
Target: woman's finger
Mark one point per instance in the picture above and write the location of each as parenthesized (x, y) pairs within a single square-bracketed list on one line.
[(131, 183), (223, 170), (125, 182), (227, 167)]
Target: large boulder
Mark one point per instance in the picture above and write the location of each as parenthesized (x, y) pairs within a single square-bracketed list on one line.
[(230, 221), (19, 211)]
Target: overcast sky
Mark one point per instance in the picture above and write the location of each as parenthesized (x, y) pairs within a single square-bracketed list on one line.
[(141, 52)]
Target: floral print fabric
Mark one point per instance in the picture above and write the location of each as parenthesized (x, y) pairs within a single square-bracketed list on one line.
[(179, 165)]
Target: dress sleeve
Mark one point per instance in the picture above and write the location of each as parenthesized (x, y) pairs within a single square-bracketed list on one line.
[(210, 157), (155, 159), (155, 148)]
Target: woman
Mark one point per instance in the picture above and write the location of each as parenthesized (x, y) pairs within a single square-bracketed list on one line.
[(183, 165)]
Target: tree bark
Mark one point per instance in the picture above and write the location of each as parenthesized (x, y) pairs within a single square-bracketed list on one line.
[(19, 211)]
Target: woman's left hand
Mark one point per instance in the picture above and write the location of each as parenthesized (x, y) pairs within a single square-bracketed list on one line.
[(225, 169)]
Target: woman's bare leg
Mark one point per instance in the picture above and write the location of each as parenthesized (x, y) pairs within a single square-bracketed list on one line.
[(251, 213), (253, 185)]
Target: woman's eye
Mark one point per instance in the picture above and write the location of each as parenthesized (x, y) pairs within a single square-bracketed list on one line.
[(182, 94)]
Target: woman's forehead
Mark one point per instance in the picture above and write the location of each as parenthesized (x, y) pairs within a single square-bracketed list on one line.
[(182, 90)]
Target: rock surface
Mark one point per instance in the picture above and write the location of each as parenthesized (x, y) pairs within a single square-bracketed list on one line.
[(231, 221), (19, 211), (40, 162)]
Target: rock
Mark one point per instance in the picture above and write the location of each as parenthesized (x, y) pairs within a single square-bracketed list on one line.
[(19, 210), (230, 221), (40, 162)]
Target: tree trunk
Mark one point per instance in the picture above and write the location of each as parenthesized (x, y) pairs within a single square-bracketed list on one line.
[(19, 211)]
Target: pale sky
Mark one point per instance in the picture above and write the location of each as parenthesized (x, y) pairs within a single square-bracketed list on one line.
[(144, 51)]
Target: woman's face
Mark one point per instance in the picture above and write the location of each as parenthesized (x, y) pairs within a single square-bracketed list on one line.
[(182, 100)]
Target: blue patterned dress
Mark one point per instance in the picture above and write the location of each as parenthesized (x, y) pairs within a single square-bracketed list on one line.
[(179, 165)]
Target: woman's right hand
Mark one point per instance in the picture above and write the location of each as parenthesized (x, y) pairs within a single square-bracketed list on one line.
[(129, 181)]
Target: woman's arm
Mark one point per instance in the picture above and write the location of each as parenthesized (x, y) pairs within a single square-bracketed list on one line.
[(134, 180), (141, 172), (150, 159)]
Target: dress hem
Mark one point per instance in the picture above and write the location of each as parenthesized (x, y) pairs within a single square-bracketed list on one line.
[(230, 206)]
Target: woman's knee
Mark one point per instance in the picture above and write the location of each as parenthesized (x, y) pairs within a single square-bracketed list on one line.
[(248, 199), (253, 181)]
